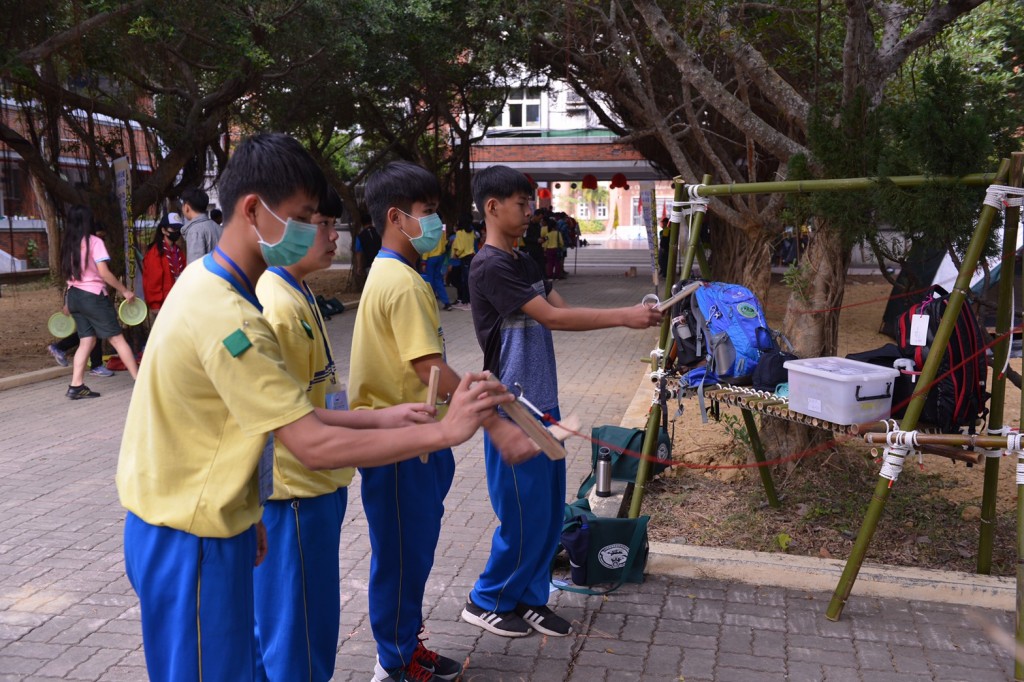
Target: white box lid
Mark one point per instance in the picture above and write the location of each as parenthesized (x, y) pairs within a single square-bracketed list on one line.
[(841, 369)]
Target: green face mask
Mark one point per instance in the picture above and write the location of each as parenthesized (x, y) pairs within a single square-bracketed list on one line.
[(431, 231), (294, 242)]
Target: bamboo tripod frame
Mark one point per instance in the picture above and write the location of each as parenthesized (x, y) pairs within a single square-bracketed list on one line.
[(928, 373)]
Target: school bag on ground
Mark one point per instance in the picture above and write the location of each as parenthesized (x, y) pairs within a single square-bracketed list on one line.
[(724, 324), (960, 398), (602, 550)]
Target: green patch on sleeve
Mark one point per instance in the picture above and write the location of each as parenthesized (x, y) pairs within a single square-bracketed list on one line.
[(237, 343)]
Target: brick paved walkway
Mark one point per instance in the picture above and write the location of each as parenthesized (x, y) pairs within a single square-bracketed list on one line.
[(68, 613)]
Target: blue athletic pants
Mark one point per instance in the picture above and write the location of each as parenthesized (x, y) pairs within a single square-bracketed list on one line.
[(297, 588), (197, 602), (435, 277), (528, 499), (404, 503)]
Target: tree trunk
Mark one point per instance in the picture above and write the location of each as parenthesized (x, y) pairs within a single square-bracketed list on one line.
[(742, 257), (52, 231), (812, 326)]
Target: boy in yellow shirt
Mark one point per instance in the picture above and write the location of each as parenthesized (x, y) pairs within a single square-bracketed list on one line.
[(296, 587), (396, 341), (196, 463)]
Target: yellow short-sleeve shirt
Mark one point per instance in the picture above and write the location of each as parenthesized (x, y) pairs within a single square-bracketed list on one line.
[(211, 386), (464, 244), (302, 336), (396, 323)]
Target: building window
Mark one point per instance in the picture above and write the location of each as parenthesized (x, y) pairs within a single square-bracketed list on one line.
[(523, 108), (583, 210), (602, 211)]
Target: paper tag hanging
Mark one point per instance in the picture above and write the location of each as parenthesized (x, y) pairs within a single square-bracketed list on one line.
[(919, 330)]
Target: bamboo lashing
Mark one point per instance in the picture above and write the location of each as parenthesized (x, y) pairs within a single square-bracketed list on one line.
[(432, 386)]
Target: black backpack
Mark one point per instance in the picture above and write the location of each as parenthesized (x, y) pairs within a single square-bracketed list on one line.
[(958, 399)]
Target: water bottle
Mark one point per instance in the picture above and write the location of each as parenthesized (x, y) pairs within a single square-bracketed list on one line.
[(604, 472)]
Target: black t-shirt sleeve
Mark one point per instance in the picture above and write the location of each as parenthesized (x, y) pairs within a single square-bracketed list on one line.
[(509, 283)]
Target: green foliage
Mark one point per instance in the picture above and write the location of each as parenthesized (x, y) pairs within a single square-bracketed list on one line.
[(592, 226), (783, 541), (737, 431), (956, 123), (798, 278), (32, 254)]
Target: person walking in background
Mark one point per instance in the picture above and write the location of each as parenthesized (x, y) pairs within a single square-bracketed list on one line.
[(434, 261), (201, 233), (367, 245), (463, 249), (163, 262), (83, 265)]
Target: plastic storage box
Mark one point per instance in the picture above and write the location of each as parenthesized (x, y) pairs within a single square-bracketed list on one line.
[(839, 390)]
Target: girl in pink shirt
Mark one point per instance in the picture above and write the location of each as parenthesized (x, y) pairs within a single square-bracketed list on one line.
[(83, 264)]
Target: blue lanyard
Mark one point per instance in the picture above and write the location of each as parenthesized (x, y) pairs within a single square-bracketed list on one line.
[(303, 289), (385, 252), (216, 268)]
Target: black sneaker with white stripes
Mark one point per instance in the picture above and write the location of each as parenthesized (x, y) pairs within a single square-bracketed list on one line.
[(506, 624), (542, 619)]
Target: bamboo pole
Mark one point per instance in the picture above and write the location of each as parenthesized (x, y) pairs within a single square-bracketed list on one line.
[(758, 448), (913, 413), (693, 239), (839, 184), (643, 472), (1001, 353), (952, 439)]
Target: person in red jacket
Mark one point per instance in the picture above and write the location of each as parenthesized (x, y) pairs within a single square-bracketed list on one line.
[(163, 262)]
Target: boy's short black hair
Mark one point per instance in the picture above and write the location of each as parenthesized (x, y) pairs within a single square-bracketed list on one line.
[(274, 166), (196, 198), (498, 182), (331, 204), (399, 184)]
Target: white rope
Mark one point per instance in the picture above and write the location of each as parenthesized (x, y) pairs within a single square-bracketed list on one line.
[(1020, 469), (1013, 443), (996, 196), (692, 192), (892, 462)]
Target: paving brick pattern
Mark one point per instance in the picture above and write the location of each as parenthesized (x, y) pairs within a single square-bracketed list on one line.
[(68, 613)]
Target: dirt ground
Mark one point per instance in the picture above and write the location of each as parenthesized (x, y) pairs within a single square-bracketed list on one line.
[(930, 518), (25, 308)]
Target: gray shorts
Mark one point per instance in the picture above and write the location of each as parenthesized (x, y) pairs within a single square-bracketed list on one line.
[(94, 314)]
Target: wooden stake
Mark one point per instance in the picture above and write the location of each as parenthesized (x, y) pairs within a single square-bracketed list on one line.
[(432, 385)]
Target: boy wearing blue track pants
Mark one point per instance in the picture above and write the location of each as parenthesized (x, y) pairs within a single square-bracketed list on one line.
[(297, 599), (196, 463), (396, 341), (514, 311)]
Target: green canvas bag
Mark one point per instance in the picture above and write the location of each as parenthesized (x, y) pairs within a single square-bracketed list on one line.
[(624, 466), (603, 550)]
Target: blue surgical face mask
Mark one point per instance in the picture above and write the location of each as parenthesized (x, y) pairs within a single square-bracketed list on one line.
[(293, 244), (431, 230)]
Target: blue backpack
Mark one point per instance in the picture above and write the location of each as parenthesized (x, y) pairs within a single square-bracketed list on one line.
[(724, 324)]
